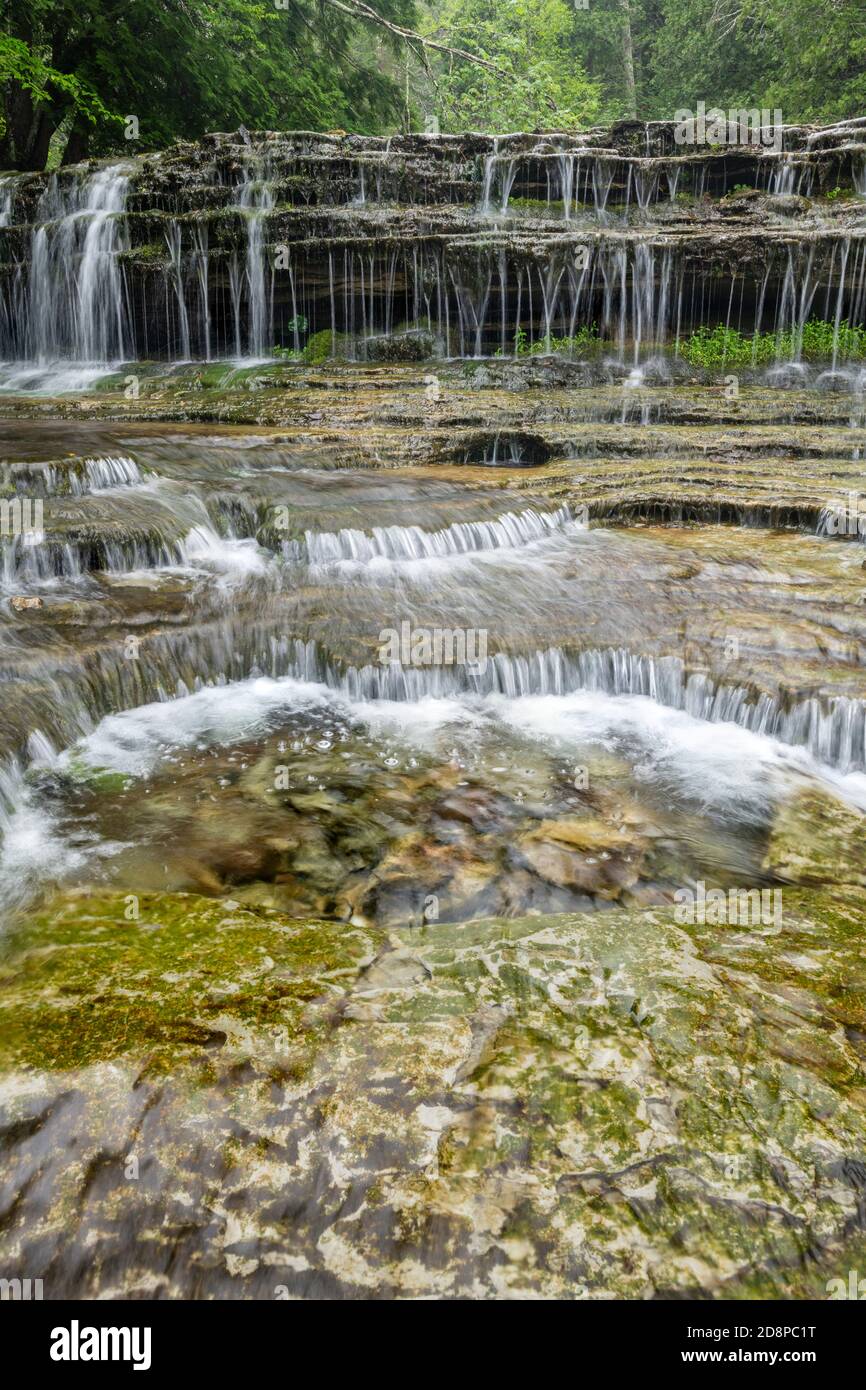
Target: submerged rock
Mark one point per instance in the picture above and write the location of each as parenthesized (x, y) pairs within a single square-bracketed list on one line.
[(587, 1106)]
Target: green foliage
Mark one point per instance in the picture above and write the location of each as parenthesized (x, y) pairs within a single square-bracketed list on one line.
[(728, 53), (585, 340), (72, 71), (726, 347), (323, 346), (764, 53), (540, 82), (183, 67)]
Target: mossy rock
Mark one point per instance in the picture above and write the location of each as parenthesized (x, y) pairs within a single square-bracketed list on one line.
[(325, 345), (816, 838), (97, 977), (583, 1106)]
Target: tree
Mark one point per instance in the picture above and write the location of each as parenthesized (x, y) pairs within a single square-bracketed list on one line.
[(764, 53), (74, 69), (534, 78)]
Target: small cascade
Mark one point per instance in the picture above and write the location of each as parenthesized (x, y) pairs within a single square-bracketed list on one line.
[(175, 252), (569, 179), (489, 172), (201, 265), (28, 561), (833, 730), (602, 181), (511, 531), (103, 473), (75, 480), (783, 176), (234, 559)]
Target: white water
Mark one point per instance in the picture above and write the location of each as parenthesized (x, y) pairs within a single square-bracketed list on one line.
[(351, 548), (76, 301), (737, 777), (102, 474), (256, 200), (231, 559), (136, 741)]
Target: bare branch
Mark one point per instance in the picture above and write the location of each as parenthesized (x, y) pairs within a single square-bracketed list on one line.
[(358, 10)]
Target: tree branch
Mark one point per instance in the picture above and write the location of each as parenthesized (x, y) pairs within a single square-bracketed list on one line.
[(358, 10)]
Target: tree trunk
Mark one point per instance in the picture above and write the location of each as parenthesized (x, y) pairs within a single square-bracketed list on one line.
[(77, 144), (43, 128), (628, 61), (28, 130)]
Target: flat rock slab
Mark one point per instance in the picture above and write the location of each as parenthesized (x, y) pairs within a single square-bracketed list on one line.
[(213, 1101)]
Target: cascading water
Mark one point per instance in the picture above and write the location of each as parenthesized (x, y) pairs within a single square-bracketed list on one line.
[(589, 244), (370, 715), (256, 201), (73, 302), (413, 543)]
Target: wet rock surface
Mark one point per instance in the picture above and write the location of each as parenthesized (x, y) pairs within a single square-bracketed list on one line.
[(335, 967), (583, 1106)]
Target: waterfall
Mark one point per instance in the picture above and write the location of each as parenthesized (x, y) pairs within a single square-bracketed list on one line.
[(82, 284), (256, 200), (77, 308)]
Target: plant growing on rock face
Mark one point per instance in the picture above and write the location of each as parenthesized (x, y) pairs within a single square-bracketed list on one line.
[(584, 339), (819, 340)]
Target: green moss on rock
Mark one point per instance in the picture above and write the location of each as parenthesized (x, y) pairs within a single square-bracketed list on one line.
[(82, 983)]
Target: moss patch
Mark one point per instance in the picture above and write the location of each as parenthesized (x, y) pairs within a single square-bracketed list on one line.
[(81, 982)]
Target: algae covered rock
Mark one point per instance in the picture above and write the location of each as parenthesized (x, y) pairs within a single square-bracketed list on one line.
[(587, 1105), (152, 975), (818, 839)]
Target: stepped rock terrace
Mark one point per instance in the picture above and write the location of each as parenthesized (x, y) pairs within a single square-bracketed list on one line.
[(234, 246), (374, 964)]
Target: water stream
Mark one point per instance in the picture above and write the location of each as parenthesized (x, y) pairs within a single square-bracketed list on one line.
[(377, 567)]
